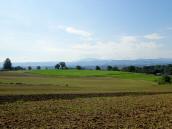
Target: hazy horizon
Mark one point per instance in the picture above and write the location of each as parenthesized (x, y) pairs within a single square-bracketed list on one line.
[(62, 30), (87, 60)]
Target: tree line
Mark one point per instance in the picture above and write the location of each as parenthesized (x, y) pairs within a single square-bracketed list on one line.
[(7, 65), (153, 69), (61, 65)]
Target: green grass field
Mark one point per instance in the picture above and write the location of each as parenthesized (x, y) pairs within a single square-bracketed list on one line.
[(95, 73), (89, 99), (86, 81)]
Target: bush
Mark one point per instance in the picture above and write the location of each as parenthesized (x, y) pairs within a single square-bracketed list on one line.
[(57, 66), (165, 79), (98, 68), (115, 68), (29, 68), (38, 67), (18, 68), (78, 67), (109, 67)]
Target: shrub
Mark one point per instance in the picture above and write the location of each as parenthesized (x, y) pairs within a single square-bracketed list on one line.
[(18, 68), (98, 68), (115, 68), (165, 79), (109, 67), (38, 67), (29, 68), (78, 67), (57, 66)]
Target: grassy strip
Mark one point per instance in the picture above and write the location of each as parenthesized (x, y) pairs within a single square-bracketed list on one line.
[(95, 73)]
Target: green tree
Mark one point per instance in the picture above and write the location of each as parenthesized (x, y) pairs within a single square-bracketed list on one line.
[(62, 65), (131, 68), (165, 79), (98, 68), (57, 66), (38, 67), (7, 64), (115, 68), (109, 67), (18, 68), (78, 67), (29, 68)]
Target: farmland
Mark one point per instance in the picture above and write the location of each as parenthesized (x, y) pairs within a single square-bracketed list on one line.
[(94, 73), (85, 64), (35, 82), (83, 99), (154, 111)]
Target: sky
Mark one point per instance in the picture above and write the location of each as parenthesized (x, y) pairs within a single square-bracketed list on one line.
[(70, 30)]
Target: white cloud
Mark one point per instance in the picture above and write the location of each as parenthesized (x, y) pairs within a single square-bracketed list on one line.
[(126, 47), (128, 39), (153, 36), (72, 30), (79, 32)]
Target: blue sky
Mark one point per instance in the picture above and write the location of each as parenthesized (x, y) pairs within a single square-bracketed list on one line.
[(50, 30)]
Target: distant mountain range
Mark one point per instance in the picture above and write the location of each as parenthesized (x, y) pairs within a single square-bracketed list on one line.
[(122, 63), (93, 62)]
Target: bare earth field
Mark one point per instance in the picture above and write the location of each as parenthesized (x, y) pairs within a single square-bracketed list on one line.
[(134, 112), (112, 100)]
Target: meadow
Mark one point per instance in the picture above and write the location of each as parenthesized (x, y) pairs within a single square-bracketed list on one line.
[(76, 81), (83, 99), (95, 73)]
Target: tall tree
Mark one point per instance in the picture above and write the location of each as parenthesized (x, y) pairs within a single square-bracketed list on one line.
[(62, 65), (7, 64), (57, 66)]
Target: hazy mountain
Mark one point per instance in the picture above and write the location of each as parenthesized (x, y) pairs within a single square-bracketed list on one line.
[(91, 62), (33, 64), (138, 62)]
